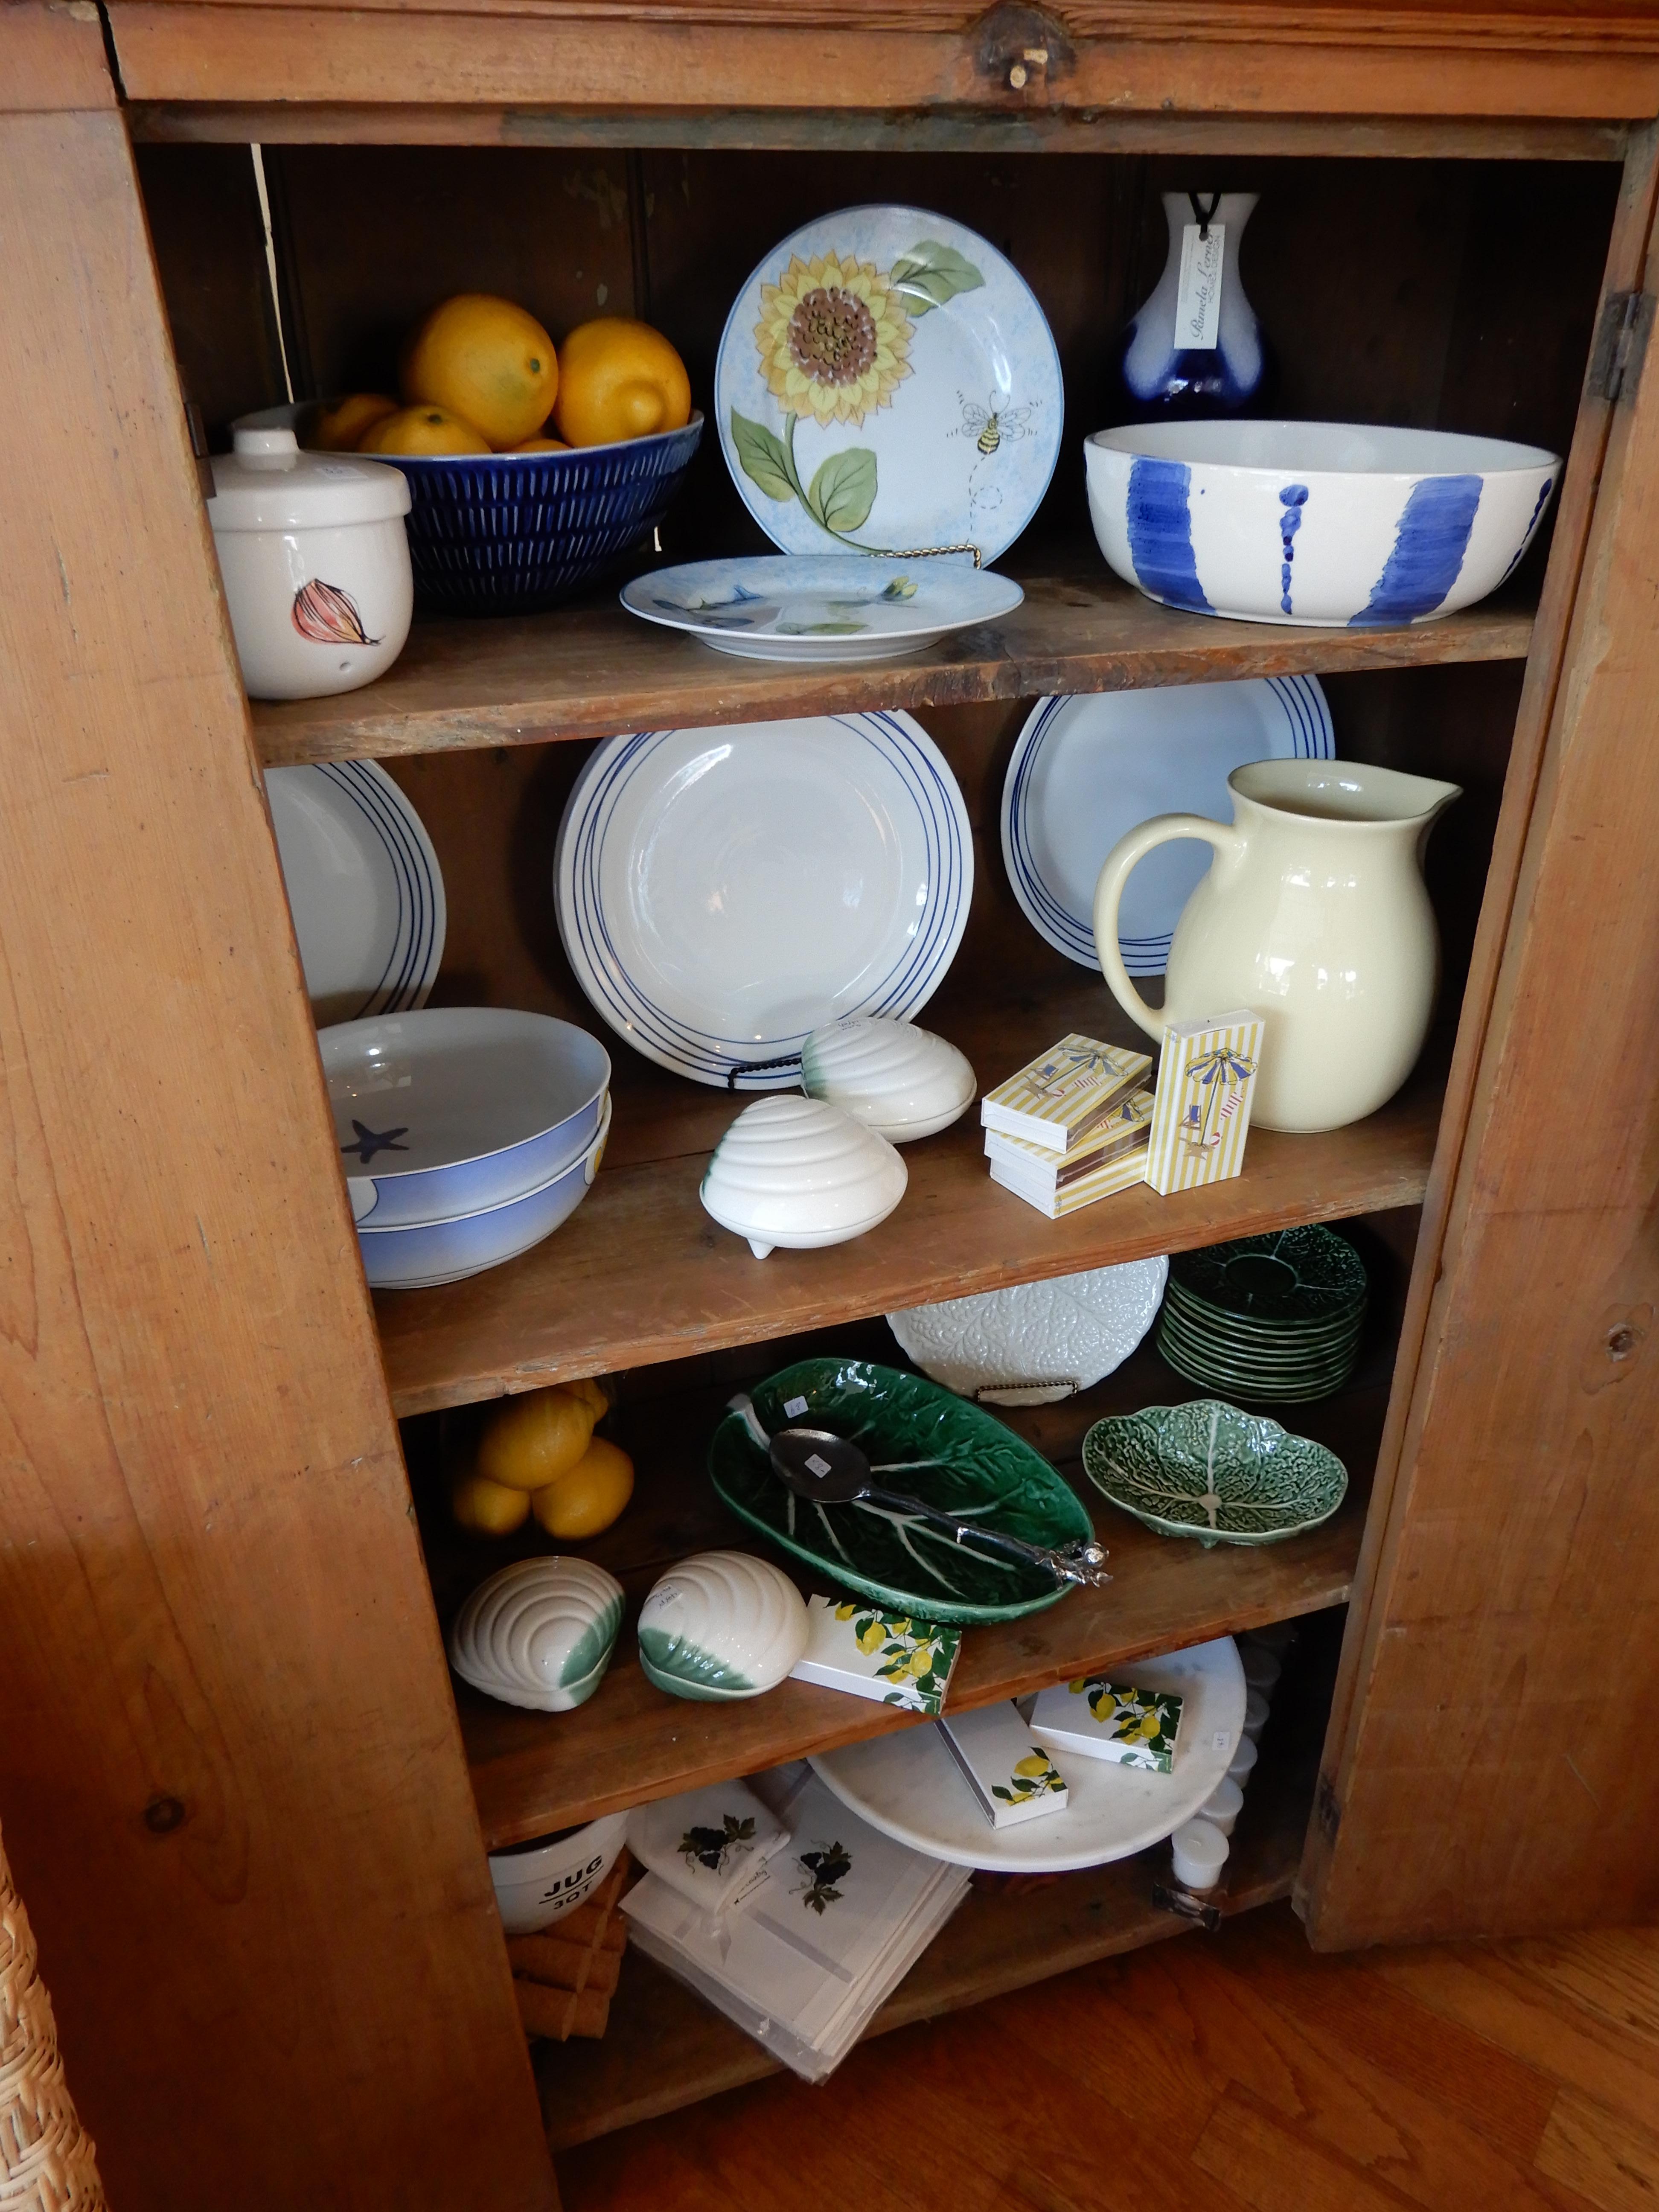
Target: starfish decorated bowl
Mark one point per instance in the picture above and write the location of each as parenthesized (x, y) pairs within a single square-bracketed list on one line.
[(447, 1111), (1207, 1470)]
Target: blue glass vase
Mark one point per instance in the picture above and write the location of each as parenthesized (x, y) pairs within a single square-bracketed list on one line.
[(1158, 379)]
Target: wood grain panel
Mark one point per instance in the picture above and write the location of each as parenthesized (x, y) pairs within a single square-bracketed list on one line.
[(51, 59), (1517, 1552), (229, 1769), (1274, 61), (592, 670)]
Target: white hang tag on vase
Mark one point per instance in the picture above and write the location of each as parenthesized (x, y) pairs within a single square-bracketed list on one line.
[(1198, 295)]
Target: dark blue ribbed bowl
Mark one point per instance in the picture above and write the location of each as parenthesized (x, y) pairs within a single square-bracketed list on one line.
[(511, 533)]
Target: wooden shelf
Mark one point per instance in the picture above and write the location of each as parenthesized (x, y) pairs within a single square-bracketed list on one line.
[(534, 1773), (589, 670), (666, 2048), (641, 1273)]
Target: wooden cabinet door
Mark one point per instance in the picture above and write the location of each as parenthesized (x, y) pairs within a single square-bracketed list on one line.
[(230, 1771), (1487, 1771)]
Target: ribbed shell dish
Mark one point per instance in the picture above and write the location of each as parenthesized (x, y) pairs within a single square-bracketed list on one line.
[(539, 1633), (900, 1081), (799, 1173), (721, 1625)]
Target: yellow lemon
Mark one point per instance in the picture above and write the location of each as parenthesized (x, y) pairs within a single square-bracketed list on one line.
[(619, 379), (921, 1661), (486, 361), (338, 428), (422, 430), (590, 1497), (592, 1392), (539, 445), (872, 1639), (1034, 1764), (1149, 1724), (531, 1441), (489, 1509)]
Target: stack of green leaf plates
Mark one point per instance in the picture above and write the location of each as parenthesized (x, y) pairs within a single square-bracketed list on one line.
[(1275, 1318)]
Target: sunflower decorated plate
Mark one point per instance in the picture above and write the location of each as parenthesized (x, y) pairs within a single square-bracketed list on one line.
[(842, 606), (887, 384)]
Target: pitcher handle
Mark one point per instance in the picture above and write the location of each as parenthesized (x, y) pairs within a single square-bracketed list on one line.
[(1108, 893)]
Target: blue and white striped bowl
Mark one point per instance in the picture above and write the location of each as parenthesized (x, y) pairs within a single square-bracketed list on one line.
[(429, 1252), (448, 1110), (515, 533), (1330, 524)]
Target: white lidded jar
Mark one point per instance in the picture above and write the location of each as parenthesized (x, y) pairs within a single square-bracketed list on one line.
[(315, 564)]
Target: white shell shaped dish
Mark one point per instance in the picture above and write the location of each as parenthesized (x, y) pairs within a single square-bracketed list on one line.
[(900, 1081), (1036, 1342), (1334, 523), (910, 1786), (800, 1173), (722, 893), (776, 607), (538, 1634), (887, 383), (720, 1625)]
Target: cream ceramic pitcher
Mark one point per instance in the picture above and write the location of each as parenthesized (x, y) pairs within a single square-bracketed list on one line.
[(1314, 915)]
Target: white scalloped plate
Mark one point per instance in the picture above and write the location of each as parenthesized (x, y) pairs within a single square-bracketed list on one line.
[(1035, 1342)]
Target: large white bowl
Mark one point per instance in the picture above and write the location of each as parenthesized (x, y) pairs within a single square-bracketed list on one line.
[(1324, 523), (423, 1253), (453, 1110), (538, 1883)]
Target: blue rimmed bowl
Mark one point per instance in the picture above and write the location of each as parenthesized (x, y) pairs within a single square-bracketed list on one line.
[(426, 1253), (1337, 525), (513, 533), (447, 1111)]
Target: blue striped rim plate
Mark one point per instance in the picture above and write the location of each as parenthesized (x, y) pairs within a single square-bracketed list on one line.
[(723, 892), (1086, 771), (363, 886)]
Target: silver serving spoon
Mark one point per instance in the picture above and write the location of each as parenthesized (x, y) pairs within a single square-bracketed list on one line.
[(826, 1468)]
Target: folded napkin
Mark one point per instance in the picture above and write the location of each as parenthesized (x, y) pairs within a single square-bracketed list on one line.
[(708, 1845)]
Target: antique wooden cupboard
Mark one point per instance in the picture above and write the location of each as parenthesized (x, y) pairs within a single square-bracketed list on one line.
[(237, 1791)]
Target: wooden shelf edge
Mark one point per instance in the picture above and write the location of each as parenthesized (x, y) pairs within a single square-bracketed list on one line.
[(641, 1275), (666, 2049), (591, 671)]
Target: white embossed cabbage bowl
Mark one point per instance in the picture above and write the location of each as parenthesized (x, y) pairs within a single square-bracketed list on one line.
[(1331, 524)]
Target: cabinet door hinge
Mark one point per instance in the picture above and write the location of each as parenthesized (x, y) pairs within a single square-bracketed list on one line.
[(1621, 343)]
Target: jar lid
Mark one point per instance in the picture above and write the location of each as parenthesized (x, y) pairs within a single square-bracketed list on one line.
[(268, 483)]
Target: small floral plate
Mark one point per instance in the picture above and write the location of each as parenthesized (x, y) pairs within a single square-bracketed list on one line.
[(887, 383), (1207, 1470), (776, 606)]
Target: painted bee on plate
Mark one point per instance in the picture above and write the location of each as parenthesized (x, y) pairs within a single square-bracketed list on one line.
[(989, 425)]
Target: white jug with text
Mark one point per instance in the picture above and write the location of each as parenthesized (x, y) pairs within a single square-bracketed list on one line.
[(1314, 915)]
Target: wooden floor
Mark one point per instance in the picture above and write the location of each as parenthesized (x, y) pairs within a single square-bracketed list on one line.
[(1215, 2073)]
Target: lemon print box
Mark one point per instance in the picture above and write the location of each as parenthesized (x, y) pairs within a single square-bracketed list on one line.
[(887, 384)]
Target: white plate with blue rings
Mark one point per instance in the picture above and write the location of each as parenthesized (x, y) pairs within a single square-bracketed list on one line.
[(887, 383), (364, 887), (841, 607), (723, 892), (447, 1110), (1087, 769)]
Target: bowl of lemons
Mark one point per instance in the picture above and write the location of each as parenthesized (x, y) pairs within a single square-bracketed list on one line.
[(530, 467)]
